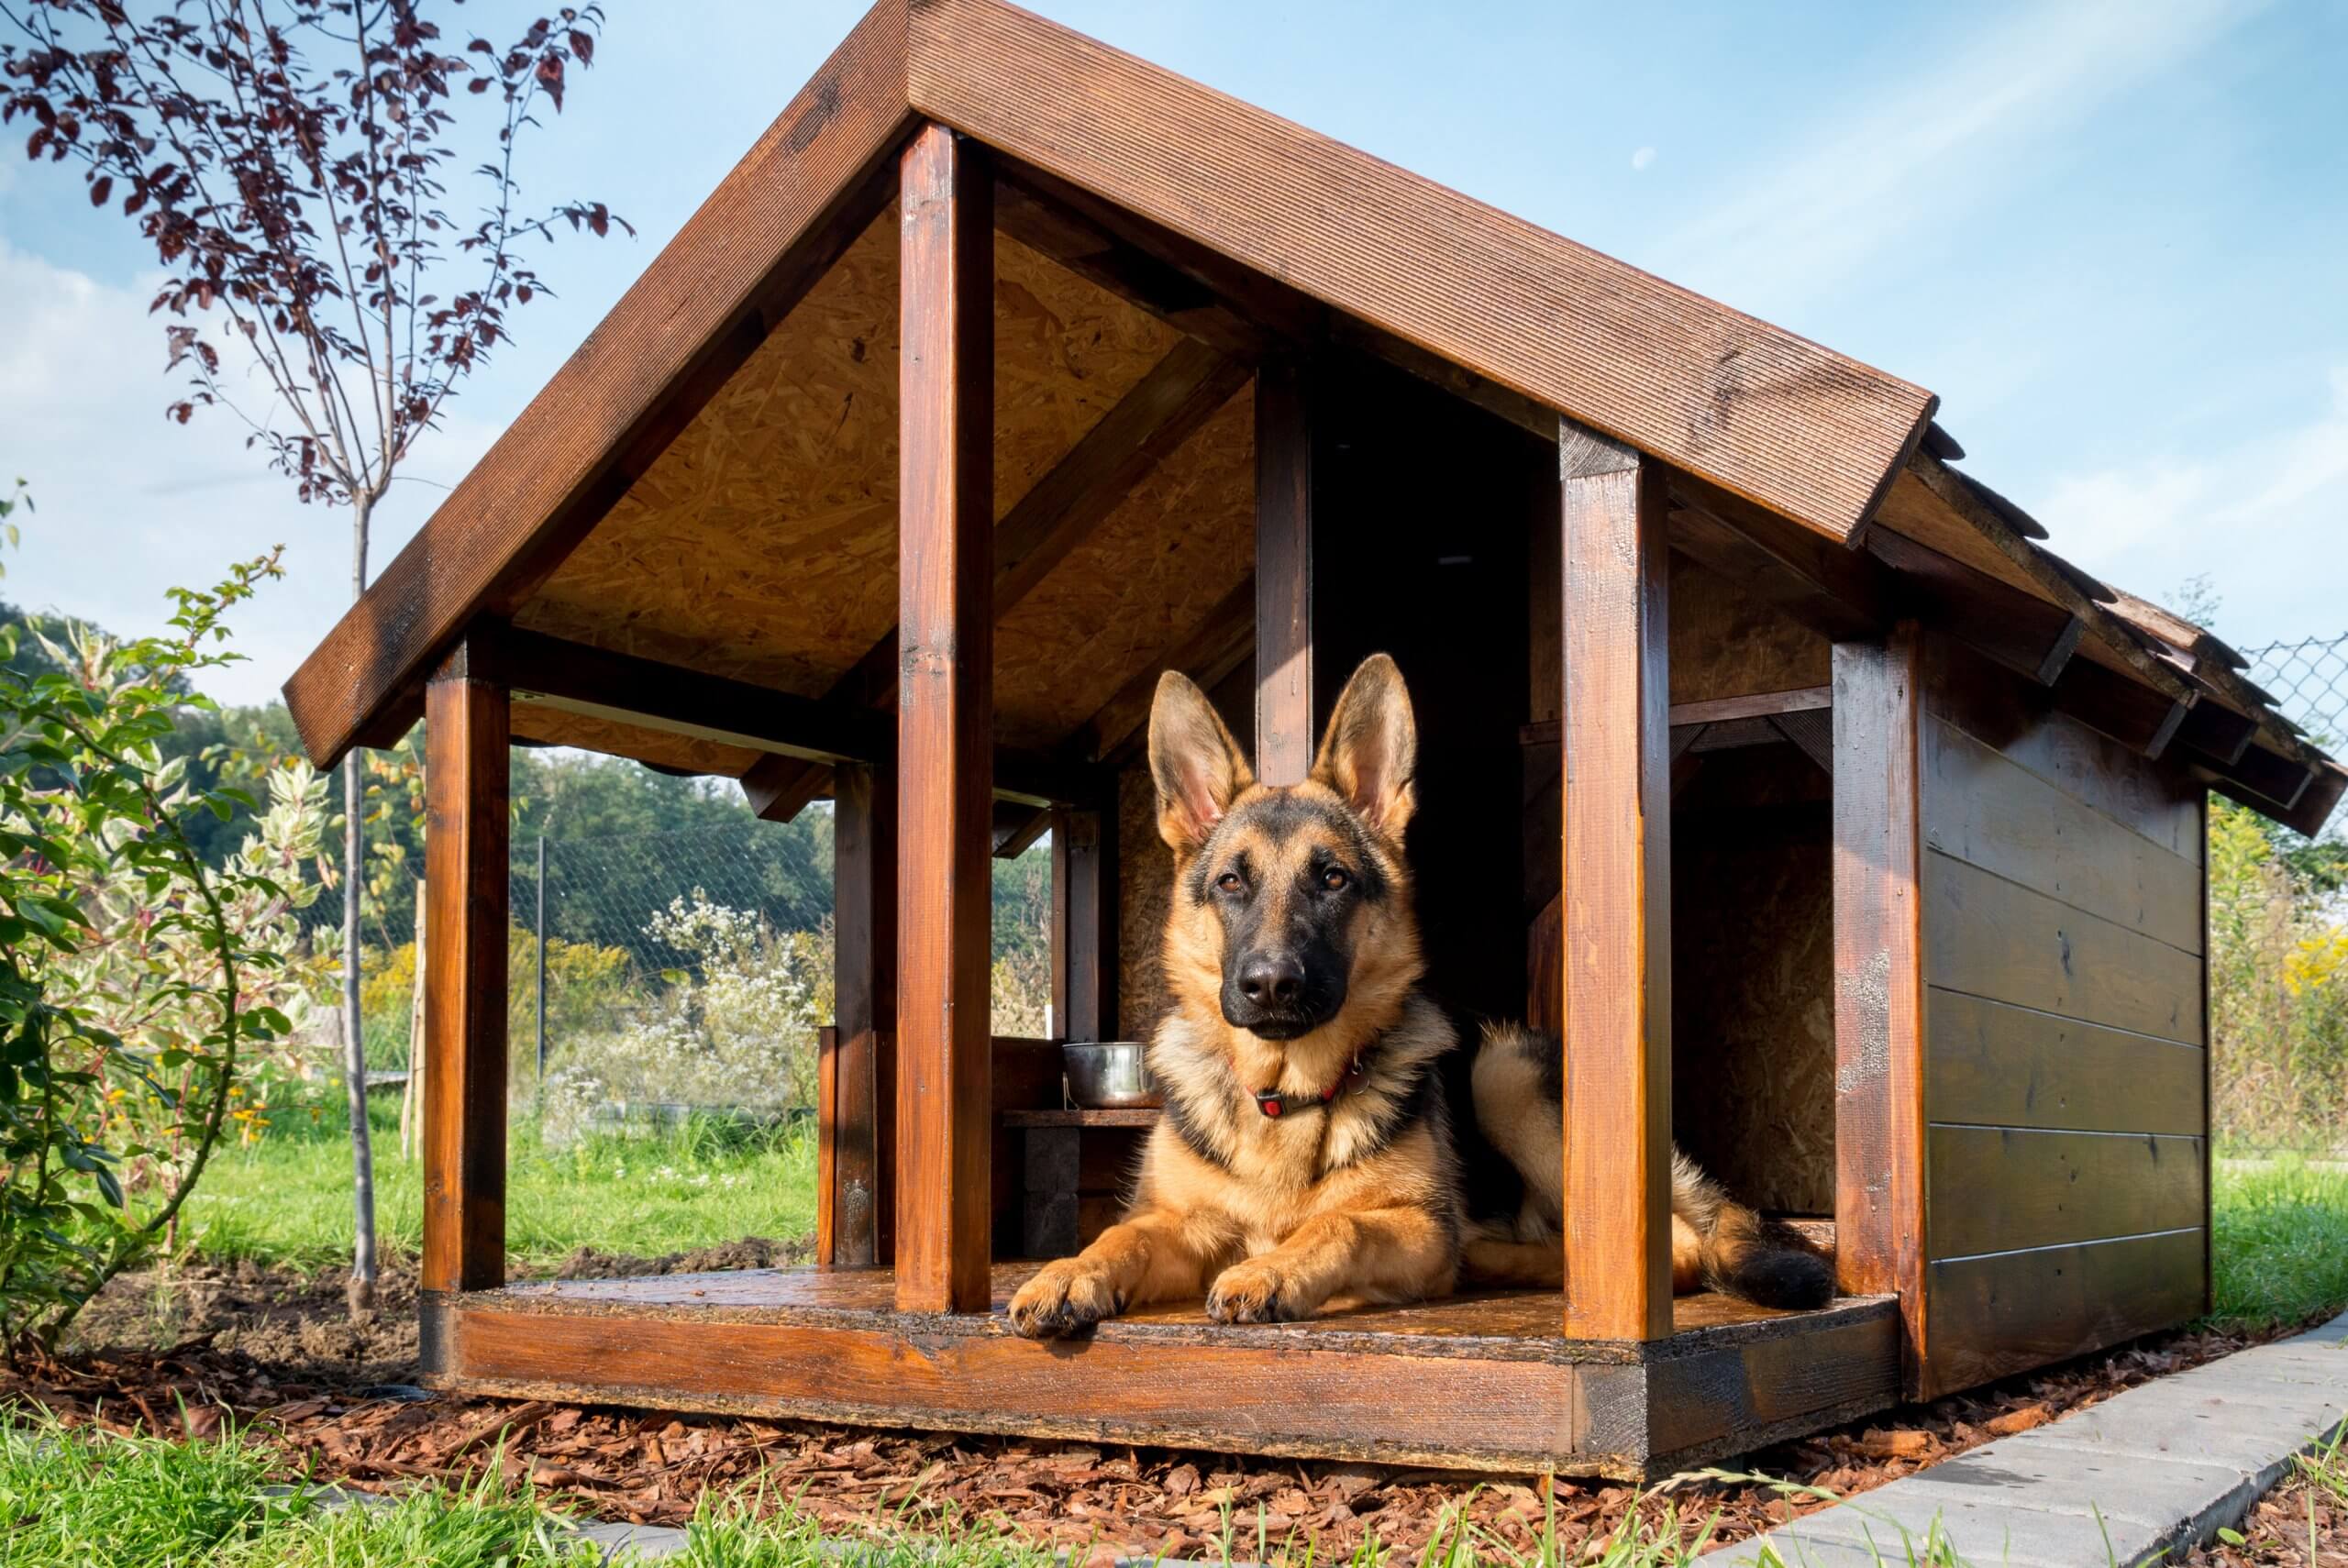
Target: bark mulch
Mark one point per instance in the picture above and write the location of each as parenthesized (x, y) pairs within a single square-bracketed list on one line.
[(277, 1353)]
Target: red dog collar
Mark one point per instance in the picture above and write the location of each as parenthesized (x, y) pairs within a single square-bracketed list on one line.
[(1274, 1104)]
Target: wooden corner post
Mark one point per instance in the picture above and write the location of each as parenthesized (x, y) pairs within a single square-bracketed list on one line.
[(1284, 732), (859, 1090), (467, 728), (1614, 734), (1879, 977), (945, 716), (1084, 923)]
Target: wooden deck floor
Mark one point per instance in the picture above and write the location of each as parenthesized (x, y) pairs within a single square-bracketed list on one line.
[(1484, 1382)]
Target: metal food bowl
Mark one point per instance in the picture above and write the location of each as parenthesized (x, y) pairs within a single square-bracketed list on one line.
[(1108, 1074)]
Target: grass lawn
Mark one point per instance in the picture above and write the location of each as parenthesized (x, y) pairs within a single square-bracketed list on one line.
[(286, 1199), (2280, 1241)]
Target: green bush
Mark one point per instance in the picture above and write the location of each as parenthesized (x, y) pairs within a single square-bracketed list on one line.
[(2279, 992)]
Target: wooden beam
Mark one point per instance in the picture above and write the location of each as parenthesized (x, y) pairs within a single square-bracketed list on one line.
[(1284, 416), (1017, 826), (1614, 736), (1084, 924), (861, 1129), (2217, 730), (581, 678), (945, 715), (465, 809), (1662, 369), (2131, 714), (1759, 704), (745, 258), (2027, 635), (1207, 654), (1879, 977)]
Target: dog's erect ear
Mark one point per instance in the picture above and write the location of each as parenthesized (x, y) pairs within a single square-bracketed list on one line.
[(1197, 766), (1371, 751)]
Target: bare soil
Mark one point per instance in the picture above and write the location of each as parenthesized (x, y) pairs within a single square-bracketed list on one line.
[(279, 1352)]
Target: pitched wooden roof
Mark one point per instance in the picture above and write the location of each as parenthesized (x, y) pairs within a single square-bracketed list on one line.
[(1522, 321)]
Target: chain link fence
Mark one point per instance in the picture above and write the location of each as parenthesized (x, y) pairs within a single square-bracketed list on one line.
[(2309, 680)]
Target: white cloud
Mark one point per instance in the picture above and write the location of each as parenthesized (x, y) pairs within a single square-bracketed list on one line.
[(1641, 159), (1924, 147), (2264, 517), (131, 504)]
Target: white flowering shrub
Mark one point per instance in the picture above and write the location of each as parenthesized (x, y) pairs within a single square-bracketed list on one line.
[(734, 1025)]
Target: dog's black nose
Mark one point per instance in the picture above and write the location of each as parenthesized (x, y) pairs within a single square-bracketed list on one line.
[(1270, 980)]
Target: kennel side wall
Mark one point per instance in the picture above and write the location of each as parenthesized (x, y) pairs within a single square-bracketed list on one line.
[(2060, 934)]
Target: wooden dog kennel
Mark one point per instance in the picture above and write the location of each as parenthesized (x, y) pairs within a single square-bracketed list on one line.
[(1008, 371)]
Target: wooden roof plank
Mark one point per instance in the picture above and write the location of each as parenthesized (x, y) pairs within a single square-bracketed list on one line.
[(1806, 431), (728, 276)]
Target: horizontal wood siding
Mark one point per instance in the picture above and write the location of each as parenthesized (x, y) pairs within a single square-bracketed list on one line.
[(1988, 937), (2028, 1187), (2065, 1073), (1998, 1065), (2007, 1312), (1989, 811)]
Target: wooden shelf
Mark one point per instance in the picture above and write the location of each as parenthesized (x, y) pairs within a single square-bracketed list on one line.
[(1141, 1118)]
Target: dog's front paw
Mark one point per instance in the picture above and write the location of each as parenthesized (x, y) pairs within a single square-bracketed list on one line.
[(1064, 1297), (1256, 1291)]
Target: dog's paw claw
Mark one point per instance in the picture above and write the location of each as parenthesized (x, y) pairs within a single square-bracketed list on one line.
[(1249, 1293), (1063, 1299)]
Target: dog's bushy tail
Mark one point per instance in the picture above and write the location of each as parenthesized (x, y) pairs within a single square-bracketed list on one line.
[(1740, 1253)]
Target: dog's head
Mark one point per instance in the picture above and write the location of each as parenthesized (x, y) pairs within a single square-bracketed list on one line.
[(1289, 901)]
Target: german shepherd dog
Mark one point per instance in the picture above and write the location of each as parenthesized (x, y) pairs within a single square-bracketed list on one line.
[(1306, 1156)]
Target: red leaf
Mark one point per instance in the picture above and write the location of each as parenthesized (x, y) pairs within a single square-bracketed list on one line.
[(583, 46), (100, 188)]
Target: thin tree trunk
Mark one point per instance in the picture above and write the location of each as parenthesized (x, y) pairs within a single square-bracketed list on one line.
[(361, 1291)]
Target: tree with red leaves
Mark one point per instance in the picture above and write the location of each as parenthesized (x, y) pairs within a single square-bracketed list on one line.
[(290, 163)]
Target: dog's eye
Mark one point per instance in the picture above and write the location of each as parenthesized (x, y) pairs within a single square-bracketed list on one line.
[(1229, 883), (1334, 880)]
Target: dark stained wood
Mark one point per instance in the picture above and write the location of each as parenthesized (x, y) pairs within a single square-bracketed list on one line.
[(1616, 943), (1492, 1388), (777, 789), (1623, 352), (1879, 1041), (1988, 937), (582, 679), (1758, 704), (465, 847), (1997, 1189), (1990, 811), (1084, 925), (1074, 1117), (1024, 1077), (945, 718), (2217, 730), (1995, 1065), (2024, 633), (1285, 734), (786, 212), (862, 1128), (1018, 826), (2008, 1311), (2137, 716), (2020, 723)]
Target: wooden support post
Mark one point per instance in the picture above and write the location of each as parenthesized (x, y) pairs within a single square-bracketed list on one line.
[(1084, 925), (1614, 731), (858, 1129), (1284, 734), (944, 714), (465, 806), (1879, 977)]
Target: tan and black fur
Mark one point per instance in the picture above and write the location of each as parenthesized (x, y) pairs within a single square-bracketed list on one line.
[(1716, 1242), (1292, 952)]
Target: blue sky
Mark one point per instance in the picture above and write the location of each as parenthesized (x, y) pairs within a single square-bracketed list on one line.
[(2109, 236)]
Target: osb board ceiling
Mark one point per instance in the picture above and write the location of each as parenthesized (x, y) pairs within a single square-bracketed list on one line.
[(762, 543), (1146, 577)]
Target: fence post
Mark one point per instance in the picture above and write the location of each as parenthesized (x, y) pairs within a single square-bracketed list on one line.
[(542, 961)]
